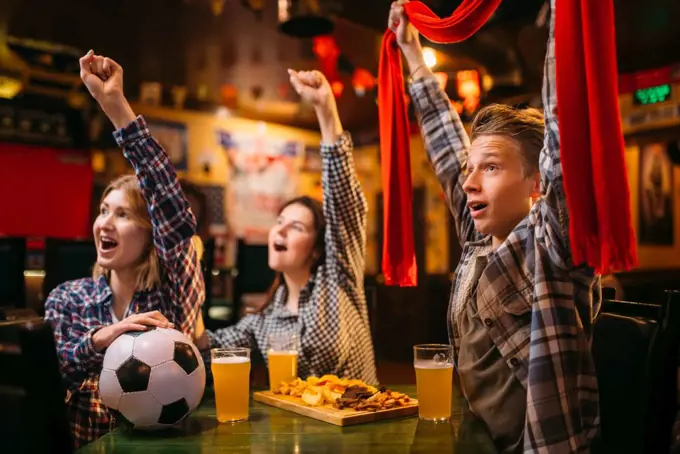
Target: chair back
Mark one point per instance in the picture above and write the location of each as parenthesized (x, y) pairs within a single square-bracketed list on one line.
[(635, 349), (33, 417)]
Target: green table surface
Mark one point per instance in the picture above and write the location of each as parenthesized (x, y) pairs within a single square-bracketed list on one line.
[(272, 430)]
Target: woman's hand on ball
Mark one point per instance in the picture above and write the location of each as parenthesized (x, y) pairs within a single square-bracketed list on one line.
[(103, 337)]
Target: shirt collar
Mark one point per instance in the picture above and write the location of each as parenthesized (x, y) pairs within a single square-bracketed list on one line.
[(281, 293), (483, 242), (103, 295)]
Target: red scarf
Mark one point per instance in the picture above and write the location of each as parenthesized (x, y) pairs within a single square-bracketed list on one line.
[(593, 162), (399, 259), (600, 230)]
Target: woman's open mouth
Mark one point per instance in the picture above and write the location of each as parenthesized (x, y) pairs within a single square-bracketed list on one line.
[(107, 244)]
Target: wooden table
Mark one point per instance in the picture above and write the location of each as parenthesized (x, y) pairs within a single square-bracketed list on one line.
[(271, 430)]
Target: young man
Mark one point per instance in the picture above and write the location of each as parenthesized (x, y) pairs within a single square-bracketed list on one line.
[(520, 314)]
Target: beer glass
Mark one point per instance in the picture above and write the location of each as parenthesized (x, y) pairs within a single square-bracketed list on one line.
[(231, 376), (282, 356), (434, 380)]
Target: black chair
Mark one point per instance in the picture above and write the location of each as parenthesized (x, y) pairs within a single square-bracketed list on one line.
[(608, 293), (635, 349), (66, 260), (33, 415), (12, 266)]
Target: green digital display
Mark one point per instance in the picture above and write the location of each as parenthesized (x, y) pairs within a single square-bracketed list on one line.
[(652, 95)]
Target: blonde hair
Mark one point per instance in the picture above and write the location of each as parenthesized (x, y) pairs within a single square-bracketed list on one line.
[(148, 270), (525, 126)]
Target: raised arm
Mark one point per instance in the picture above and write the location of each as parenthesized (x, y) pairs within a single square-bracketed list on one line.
[(446, 140), (345, 208), (337, 330), (562, 386), (344, 203), (172, 221), (554, 220)]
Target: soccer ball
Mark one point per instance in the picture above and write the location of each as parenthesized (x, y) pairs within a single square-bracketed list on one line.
[(152, 379)]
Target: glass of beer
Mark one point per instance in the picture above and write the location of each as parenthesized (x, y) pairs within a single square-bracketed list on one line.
[(231, 376), (282, 356), (434, 380)]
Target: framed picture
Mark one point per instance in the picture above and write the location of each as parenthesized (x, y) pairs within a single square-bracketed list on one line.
[(656, 195), (173, 138), (264, 173)]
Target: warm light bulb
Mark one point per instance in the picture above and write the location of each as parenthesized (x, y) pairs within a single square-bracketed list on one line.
[(10, 86), (430, 57)]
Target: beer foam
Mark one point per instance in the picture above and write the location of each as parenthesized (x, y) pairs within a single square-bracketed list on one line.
[(231, 360), (431, 364), (282, 352)]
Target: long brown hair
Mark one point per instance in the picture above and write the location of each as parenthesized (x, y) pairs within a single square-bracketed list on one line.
[(316, 209)]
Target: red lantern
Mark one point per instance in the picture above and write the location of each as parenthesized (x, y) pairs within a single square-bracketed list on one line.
[(327, 52), (228, 94), (469, 88), (337, 87), (325, 47), (362, 80)]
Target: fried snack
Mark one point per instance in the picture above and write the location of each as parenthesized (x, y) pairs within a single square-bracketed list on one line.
[(331, 387), (313, 396), (342, 393), (383, 400)]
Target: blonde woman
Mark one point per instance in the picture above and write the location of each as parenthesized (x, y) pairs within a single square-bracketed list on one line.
[(147, 271)]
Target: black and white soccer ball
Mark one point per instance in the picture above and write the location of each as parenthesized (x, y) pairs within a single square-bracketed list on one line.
[(152, 379)]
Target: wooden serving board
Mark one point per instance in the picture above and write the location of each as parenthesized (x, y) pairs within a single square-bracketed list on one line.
[(327, 413)]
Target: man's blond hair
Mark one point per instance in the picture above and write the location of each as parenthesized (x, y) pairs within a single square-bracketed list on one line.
[(525, 126)]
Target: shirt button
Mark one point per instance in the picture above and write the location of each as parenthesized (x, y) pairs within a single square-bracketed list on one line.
[(488, 322), (514, 362)]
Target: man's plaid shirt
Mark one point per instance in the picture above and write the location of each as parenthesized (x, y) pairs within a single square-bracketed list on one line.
[(538, 307)]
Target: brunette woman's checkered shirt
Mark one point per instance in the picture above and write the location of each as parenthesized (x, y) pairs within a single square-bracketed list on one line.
[(333, 319)]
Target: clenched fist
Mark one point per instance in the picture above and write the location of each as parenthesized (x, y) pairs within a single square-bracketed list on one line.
[(103, 78)]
